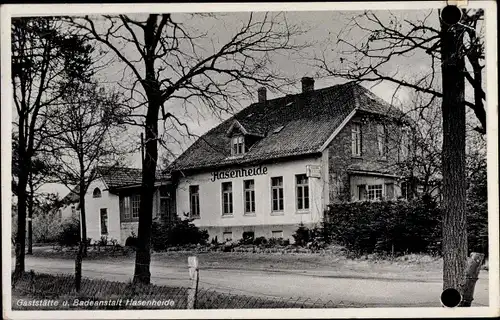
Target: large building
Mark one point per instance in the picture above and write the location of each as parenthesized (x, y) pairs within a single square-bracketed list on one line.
[(280, 162)]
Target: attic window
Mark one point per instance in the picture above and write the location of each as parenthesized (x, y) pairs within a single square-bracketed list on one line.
[(278, 129), (96, 193), (237, 145)]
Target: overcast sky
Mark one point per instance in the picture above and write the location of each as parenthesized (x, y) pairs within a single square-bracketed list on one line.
[(323, 27)]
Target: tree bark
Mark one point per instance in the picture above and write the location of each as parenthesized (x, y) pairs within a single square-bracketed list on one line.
[(471, 276), (151, 86), (142, 273), (22, 198), (30, 216), (453, 159), (82, 247)]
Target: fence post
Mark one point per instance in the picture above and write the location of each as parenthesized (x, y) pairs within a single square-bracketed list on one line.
[(471, 274), (193, 275)]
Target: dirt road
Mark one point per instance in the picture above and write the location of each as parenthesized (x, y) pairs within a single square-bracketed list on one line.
[(362, 289)]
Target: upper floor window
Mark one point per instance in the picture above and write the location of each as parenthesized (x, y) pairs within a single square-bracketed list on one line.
[(237, 145), (96, 193), (381, 140), (356, 139), (194, 201), (302, 185)]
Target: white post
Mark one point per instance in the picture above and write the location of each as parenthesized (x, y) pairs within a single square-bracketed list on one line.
[(193, 275)]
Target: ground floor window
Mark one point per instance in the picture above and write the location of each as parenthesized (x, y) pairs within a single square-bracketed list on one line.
[(375, 192), (277, 194), (302, 185), (194, 201), (227, 198), (104, 221), (249, 189)]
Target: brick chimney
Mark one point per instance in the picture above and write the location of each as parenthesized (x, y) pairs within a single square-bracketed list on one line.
[(262, 94), (307, 84)]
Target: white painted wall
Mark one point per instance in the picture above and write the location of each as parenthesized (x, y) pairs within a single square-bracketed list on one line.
[(93, 205), (211, 199)]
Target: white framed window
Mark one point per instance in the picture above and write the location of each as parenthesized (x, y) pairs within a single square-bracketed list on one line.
[(277, 234), (375, 192), (227, 236), (96, 193), (136, 203), (249, 192), (125, 207), (302, 191), (227, 198), (237, 145), (277, 199), (194, 201), (356, 139), (381, 140), (104, 221)]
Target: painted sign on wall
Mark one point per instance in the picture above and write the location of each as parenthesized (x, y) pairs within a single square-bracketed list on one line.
[(236, 173)]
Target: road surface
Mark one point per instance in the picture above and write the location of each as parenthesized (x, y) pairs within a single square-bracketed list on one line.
[(356, 289)]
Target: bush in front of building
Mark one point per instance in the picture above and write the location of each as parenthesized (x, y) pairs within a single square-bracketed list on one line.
[(178, 232), (387, 227), (70, 233)]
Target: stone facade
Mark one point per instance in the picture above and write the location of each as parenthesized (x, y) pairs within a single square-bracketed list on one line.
[(342, 163)]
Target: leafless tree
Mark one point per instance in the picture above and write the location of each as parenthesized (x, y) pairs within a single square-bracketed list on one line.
[(172, 62), (458, 50), (88, 122), (44, 63)]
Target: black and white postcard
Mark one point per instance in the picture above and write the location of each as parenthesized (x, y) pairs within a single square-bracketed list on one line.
[(244, 160)]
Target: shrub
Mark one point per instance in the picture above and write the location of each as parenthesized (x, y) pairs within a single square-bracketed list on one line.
[(385, 227), (247, 238), (302, 235), (131, 241), (70, 233), (103, 241), (260, 240), (175, 233), (46, 228), (278, 242)]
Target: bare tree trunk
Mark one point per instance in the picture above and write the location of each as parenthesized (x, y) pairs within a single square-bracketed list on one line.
[(30, 216), (151, 86), (82, 247), (453, 159), (142, 273), (22, 198)]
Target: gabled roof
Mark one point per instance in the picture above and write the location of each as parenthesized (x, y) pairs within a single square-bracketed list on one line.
[(293, 125), (119, 177)]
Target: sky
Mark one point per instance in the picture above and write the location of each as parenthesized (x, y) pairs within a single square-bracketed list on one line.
[(322, 27)]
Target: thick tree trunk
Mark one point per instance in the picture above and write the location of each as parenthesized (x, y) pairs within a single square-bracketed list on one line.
[(153, 93), (22, 198), (82, 248), (142, 273), (453, 159)]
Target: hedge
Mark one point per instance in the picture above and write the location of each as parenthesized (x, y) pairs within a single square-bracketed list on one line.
[(398, 227)]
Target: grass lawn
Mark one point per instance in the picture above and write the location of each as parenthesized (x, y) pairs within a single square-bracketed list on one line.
[(55, 292)]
